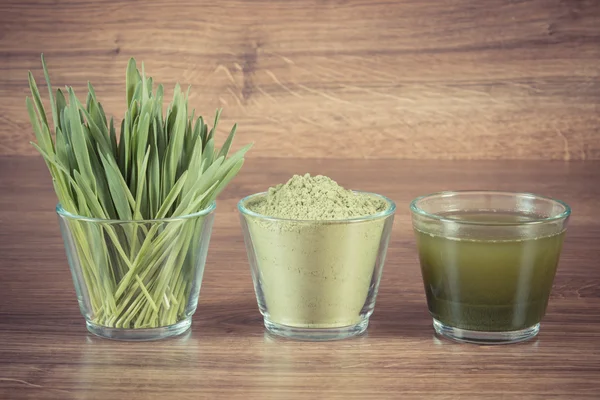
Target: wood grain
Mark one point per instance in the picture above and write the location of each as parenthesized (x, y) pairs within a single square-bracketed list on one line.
[(427, 79), (46, 353)]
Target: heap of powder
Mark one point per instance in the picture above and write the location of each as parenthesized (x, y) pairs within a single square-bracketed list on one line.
[(315, 198)]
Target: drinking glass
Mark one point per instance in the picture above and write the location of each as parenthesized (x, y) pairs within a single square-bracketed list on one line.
[(488, 260), (316, 280), (137, 280)]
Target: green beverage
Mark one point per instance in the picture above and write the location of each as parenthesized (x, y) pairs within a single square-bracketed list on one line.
[(493, 280)]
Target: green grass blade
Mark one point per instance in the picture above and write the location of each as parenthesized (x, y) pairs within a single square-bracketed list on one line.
[(113, 138), (142, 137), (131, 80), (61, 103), (140, 198), (121, 148), (44, 140), (37, 99), (227, 145), (171, 197), (194, 167), (176, 142), (98, 134), (62, 151), (120, 193), (226, 179), (208, 154), (154, 179), (79, 140), (214, 128), (50, 95), (203, 131)]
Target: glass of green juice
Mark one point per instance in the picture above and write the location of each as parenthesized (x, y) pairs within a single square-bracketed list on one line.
[(488, 260)]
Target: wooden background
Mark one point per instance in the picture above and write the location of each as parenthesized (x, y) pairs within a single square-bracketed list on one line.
[(444, 79)]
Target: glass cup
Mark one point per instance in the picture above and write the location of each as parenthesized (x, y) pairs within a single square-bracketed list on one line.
[(488, 261), (316, 280), (137, 280)]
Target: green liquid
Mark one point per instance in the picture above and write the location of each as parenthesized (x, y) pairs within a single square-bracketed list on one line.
[(487, 284)]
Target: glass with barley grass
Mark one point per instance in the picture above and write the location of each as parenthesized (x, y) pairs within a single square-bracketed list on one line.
[(135, 213), (137, 280), (488, 261)]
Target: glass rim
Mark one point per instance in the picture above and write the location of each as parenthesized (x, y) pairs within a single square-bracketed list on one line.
[(389, 210), (419, 211), (60, 210)]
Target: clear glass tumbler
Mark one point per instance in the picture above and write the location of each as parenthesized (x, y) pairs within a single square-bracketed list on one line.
[(316, 280), (488, 261), (137, 280)]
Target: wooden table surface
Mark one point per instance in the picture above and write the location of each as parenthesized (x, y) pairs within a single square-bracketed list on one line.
[(46, 352)]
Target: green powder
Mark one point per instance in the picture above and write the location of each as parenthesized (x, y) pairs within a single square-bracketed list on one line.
[(311, 269), (315, 198)]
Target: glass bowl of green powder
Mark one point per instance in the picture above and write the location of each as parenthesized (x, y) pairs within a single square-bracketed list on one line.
[(316, 252), (488, 261)]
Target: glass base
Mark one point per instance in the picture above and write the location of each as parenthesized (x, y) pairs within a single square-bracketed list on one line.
[(140, 334), (316, 334), (481, 337)]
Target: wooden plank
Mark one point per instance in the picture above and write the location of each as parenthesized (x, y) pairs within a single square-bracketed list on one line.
[(452, 79), (45, 352)]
